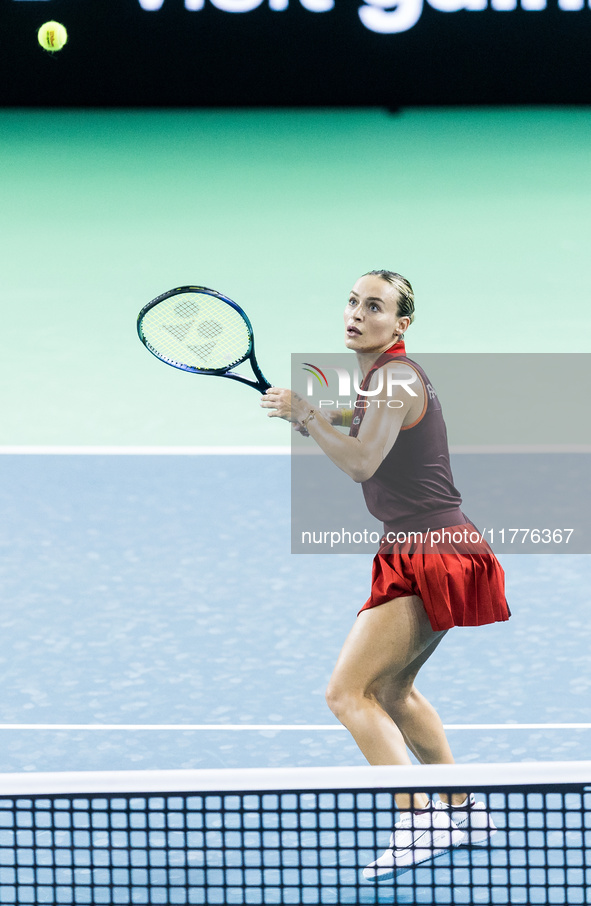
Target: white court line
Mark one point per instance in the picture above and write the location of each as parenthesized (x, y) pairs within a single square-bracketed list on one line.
[(475, 449), (60, 450), (520, 448), (142, 451), (306, 728)]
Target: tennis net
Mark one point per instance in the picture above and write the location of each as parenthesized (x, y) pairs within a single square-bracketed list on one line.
[(297, 836)]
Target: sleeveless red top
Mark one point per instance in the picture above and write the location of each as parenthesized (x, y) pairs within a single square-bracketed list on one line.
[(413, 488)]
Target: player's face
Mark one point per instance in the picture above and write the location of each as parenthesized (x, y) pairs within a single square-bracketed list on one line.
[(371, 320)]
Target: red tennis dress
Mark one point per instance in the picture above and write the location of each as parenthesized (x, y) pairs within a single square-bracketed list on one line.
[(430, 548)]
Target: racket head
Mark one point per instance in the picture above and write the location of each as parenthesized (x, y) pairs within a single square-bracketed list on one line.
[(196, 329)]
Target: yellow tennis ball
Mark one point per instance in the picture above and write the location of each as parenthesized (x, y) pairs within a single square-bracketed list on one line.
[(52, 36)]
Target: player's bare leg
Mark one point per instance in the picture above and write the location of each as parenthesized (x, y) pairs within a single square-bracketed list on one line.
[(372, 689), (417, 719), (372, 693)]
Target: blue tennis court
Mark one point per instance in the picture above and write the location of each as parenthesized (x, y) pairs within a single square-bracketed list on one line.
[(159, 590)]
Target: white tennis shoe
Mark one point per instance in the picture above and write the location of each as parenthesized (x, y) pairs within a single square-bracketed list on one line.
[(417, 837), (473, 819)]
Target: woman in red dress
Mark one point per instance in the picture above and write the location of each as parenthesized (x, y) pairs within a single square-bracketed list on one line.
[(420, 588)]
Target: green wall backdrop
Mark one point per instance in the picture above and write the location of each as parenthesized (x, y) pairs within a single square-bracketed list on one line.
[(488, 212)]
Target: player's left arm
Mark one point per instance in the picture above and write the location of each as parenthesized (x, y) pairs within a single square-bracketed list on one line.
[(361, 456)]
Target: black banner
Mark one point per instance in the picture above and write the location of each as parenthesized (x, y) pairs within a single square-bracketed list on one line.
[(298, 52)]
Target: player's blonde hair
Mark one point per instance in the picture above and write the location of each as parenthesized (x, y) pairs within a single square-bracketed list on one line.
[(406, 296)]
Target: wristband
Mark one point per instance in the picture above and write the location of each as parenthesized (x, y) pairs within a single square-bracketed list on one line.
[(346, 418)]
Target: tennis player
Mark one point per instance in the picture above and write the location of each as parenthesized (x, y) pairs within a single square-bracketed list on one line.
[(420, 588)]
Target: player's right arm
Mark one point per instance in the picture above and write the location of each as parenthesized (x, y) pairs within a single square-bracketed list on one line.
[(359, 457), (340, 418)]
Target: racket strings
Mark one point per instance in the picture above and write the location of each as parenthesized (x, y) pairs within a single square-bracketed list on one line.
[(210, 328), (179, 331), (186, 308), (197, 331), (204, 351)]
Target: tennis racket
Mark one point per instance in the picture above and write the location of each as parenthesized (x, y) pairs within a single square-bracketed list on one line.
[(199, 330)]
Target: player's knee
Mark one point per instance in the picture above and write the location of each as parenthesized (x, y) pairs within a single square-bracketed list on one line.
[(337, 697), (342, 699), (333, 697)]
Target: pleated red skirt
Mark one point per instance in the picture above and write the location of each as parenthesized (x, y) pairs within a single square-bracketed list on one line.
[(460, 584)]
